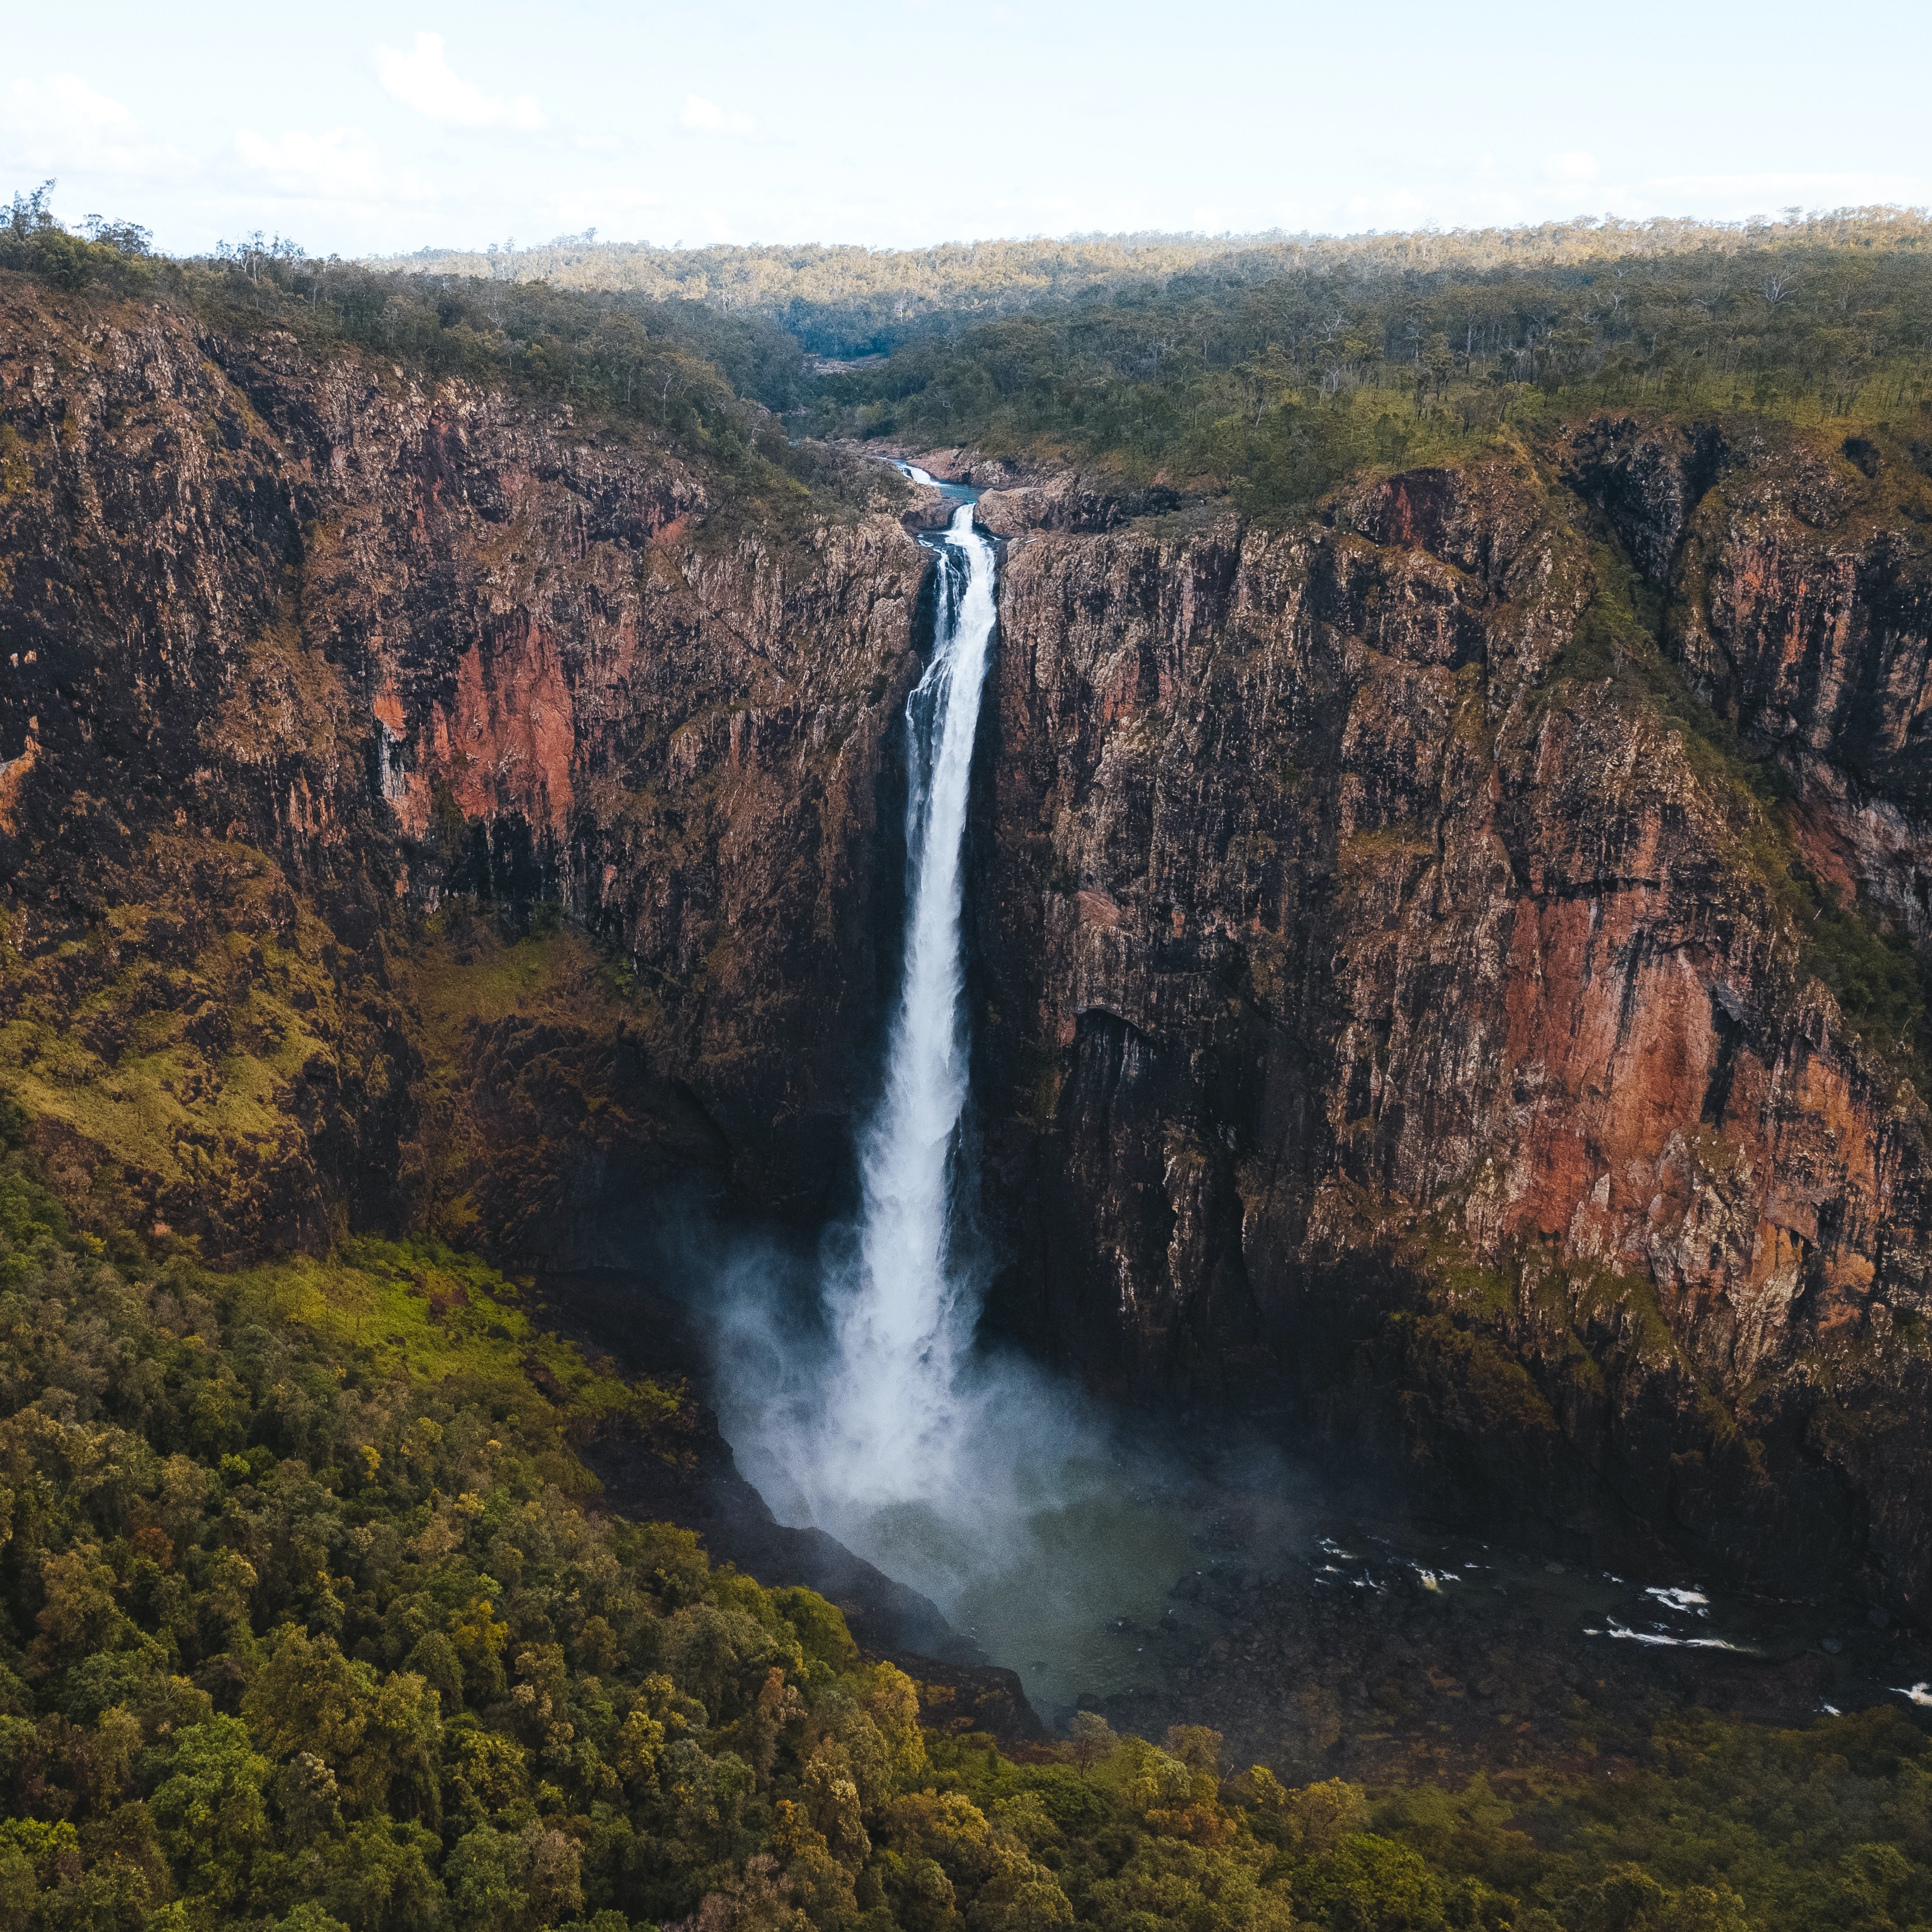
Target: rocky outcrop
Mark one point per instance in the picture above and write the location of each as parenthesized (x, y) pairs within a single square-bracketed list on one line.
[(1018, 496), (1070, 500), (1800, 606), (366, 640)]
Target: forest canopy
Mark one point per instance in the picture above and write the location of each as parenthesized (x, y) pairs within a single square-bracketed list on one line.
[(847, 302), (1268, 368), (1271, 392), (1264, 369), (310, 1619)]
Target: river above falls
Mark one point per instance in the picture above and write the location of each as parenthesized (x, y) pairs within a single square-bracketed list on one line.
[(953, 493)]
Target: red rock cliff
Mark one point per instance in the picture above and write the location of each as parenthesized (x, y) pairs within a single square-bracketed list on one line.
[(293, 649), (1386, 999), (1390, 1004)]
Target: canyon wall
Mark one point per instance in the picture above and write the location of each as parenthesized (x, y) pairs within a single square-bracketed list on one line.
[(1401, 992), (295, 648), (1396, 1006)]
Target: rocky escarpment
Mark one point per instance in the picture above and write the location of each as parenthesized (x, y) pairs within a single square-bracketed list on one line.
[(1800, 605), (1394, 1009), (1398, 1003), (293, 649)]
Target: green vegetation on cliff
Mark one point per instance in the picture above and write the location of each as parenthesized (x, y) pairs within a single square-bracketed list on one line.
[(680, 369), (1857, 950), (1272, 390), (208, 1040)]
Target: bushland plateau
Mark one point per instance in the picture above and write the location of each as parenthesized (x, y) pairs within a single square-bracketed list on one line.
[(1447, 903)]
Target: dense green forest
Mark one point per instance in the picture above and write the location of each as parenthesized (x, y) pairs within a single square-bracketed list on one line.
[(310, 1619), (1264, 372), (846, 301), (1273, 392)]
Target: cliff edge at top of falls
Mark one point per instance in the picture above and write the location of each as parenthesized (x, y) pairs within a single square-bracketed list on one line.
[(1404, 944)]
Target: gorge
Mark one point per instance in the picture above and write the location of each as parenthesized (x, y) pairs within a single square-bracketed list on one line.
[(1363, 1061), (1356, 1026)]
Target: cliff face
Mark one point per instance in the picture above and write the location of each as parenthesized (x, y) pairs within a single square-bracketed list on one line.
[(1394, 995), (1799, 608), (292, 649), (1397, 1012)]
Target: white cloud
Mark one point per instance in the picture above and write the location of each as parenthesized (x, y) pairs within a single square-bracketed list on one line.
[(342, 165), (1575, 167), (424, 79), (61, 126), (708, 117)]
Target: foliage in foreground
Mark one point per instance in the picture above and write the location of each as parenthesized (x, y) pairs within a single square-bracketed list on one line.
[(307, 1620)]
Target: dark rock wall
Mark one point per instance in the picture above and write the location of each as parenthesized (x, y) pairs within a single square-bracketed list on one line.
[(320, 636), (1386, 1016), (1383, 1019)]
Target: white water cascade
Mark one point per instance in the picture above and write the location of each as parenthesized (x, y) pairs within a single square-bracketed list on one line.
[(892, 1423), (951, 1472)]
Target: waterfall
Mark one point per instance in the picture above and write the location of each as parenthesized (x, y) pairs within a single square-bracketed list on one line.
[(903, 1313), (960, 1476)]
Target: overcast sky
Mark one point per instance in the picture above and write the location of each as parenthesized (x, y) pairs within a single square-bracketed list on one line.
[(359, 128)]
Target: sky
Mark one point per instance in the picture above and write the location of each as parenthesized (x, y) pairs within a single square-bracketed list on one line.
[(358, 129)]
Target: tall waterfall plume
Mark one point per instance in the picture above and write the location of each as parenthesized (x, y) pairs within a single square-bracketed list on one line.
[(903, 1313), (894, 1434)]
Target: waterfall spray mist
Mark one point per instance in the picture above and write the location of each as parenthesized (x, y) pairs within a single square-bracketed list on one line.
[(952, 1473), (1042, 1532)]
